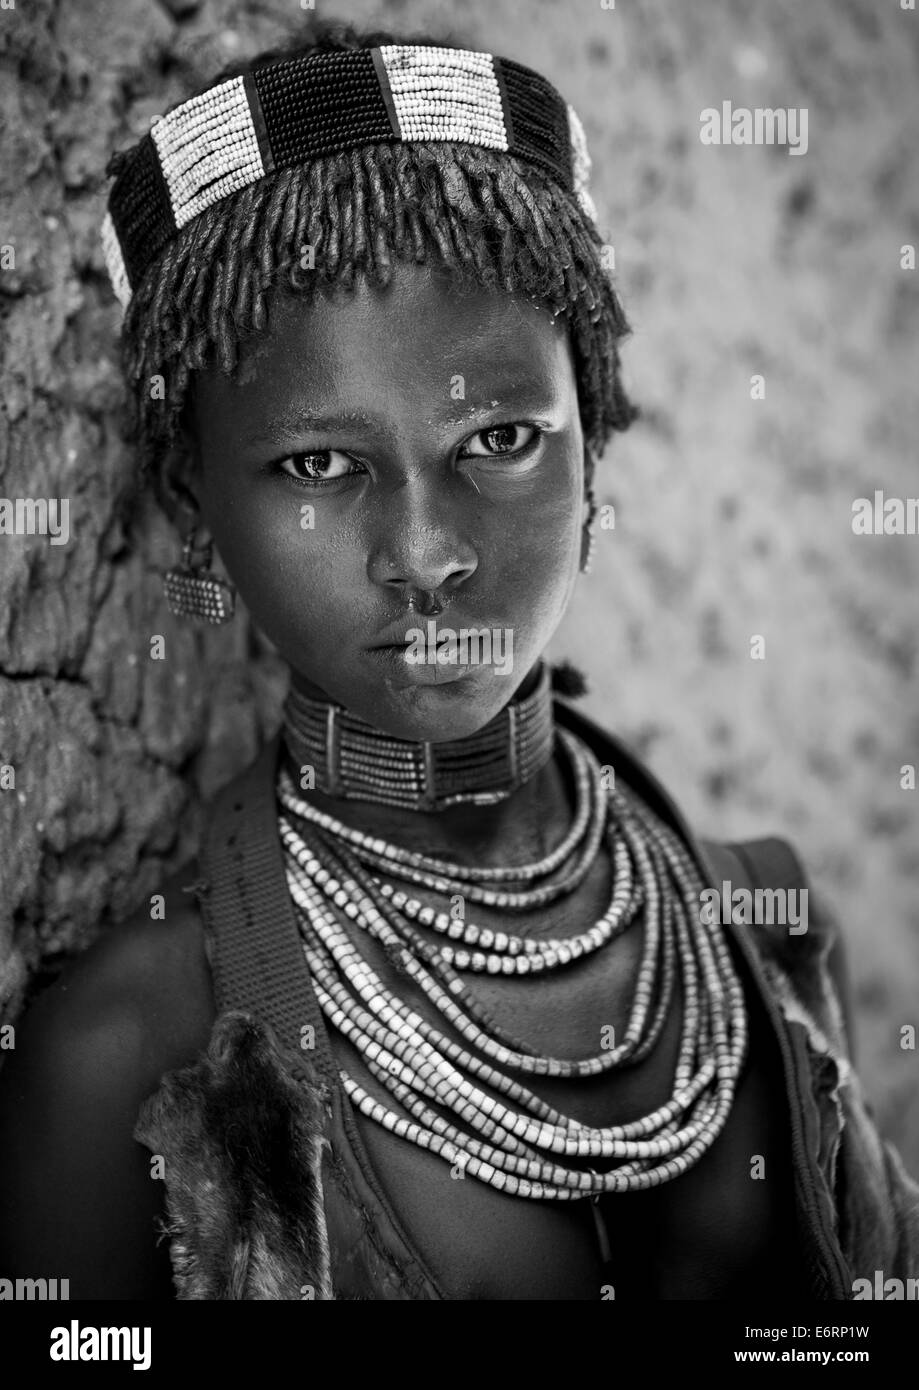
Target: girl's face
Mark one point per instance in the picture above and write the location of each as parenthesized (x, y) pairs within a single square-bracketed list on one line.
[(378, 442)]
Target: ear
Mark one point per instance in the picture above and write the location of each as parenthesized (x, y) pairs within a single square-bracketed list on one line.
[(590, 503), (177, 483), (590, 464)]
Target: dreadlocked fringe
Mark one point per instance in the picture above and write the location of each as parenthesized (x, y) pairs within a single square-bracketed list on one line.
[(490, 220)]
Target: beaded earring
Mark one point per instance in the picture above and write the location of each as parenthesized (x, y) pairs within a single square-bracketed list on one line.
[(193, 591)]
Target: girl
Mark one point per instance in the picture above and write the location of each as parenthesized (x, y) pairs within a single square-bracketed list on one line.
[(449, 1005)]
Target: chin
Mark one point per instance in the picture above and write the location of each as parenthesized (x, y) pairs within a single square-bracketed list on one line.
[(442, 711)]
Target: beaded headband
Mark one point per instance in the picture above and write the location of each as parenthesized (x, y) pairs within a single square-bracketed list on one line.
[(288, 112)]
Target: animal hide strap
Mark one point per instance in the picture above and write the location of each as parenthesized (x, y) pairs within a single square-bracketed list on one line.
[(242, 1138)]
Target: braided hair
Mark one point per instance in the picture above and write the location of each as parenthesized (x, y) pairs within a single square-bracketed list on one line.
[(491, 220)]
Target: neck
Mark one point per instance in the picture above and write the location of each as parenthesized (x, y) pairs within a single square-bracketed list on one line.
[(524, 823)]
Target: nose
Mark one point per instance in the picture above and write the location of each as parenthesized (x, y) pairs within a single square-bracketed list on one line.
[(421, 542)]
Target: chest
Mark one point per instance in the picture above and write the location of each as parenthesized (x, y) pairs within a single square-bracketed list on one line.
[(724, 1225)]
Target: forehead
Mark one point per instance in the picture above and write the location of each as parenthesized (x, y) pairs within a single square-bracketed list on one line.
[(421, 335)]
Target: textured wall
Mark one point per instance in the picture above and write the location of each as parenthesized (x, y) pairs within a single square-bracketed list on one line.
[(733, 515)]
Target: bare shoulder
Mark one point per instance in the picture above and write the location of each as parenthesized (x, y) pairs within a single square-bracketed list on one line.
[(142, 991), (76, 1195)]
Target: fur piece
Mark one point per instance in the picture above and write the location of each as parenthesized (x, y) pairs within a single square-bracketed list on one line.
[(243, 1143)]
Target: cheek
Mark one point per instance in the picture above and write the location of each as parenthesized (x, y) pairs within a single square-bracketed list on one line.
[(540, 545), (292, 572)]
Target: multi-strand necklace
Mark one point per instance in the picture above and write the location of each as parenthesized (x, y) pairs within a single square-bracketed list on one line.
[(460, 1085)]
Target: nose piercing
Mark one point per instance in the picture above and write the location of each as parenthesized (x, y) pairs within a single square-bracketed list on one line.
[(425, 602)]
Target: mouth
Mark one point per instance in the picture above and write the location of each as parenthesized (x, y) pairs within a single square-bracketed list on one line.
[(393, 659), (419, 651), (399, 646), (398, 635), (405, 631)]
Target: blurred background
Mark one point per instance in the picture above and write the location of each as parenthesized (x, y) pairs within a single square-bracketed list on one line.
[(733, 515)]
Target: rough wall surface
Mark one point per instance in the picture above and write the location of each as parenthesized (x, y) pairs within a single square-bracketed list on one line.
[(733, 515)]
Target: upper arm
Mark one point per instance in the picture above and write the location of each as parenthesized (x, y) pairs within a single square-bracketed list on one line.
[(77, 1200)]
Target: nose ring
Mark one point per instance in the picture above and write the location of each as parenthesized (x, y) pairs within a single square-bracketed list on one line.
[(425, 602)]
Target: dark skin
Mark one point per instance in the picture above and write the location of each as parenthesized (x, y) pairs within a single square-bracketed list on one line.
[(426, 496)]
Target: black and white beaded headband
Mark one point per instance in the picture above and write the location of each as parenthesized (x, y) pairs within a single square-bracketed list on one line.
[(314, 104)]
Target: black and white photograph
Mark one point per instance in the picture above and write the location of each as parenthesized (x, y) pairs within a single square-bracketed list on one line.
[(459, 668)]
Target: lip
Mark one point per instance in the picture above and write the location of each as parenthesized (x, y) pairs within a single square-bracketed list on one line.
[(397, 634), (392, 657)]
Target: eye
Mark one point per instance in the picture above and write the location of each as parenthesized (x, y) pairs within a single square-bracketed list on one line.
[(504, 439), (319, 466)]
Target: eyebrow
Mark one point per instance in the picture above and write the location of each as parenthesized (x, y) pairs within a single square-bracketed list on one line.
[(292, 421)]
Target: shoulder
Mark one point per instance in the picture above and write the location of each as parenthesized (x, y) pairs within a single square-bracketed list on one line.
[(140, 994), (75, 1187), (786, 903), (792, 926)]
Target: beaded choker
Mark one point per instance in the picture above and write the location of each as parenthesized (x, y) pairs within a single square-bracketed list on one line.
[(351, 759), (318, 103)]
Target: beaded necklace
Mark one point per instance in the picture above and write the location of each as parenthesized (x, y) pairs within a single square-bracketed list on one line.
[(506, 1135)]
